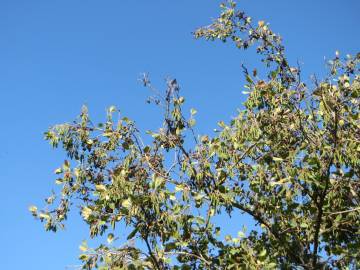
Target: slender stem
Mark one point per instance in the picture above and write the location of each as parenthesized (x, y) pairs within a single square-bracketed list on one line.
[(323, 194), (278, 236), (343, 212), (189, 254), (151, 253)]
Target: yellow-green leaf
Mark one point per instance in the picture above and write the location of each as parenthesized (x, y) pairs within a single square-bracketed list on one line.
[(86, 212), (110, 238), (100, 188), (33, 209), (126, 203), (58, 171)]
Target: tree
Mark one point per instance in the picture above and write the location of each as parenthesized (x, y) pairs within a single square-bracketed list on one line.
[(290, 160)]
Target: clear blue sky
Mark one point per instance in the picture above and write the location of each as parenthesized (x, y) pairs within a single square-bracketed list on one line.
[(57, 55)]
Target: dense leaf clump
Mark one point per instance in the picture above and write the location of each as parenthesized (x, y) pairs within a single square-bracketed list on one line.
[(290, 160)]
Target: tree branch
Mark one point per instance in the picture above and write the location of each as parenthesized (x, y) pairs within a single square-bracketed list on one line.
[(279, 237), (323, 194), (157, 264)]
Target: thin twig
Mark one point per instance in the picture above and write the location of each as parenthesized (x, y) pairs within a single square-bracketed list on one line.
[(343, 212)]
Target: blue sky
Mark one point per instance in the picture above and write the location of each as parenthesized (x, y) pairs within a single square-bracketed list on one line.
[(57, 55)]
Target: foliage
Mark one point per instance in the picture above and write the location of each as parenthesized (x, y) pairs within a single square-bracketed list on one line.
[(290, 160)]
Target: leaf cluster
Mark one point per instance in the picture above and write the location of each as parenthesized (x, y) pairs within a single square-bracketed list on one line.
[(290, 160)]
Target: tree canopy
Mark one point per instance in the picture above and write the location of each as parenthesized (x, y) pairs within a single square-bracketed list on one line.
[(290, 160)]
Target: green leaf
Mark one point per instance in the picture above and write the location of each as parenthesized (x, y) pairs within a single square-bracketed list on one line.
[(58, 171), (110, 238), (33, 209), (126, 203), (157, 181), (192, 122), (66, 165), (170, 246), (280, 182), (108, 134), (132, 234), (44, 216), (179, 188), (86, 212), (241, 234), (100, 188), (59, 181), (271, 265), (83, 247), (193, 111), (112, 109), (199, 197), (249, 80), (262, 253)]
